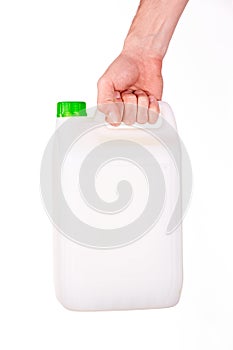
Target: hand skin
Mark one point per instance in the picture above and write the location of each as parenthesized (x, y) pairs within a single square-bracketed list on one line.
[(132, 85)]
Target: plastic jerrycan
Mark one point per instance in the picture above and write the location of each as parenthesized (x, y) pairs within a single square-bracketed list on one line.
[(133, 270)]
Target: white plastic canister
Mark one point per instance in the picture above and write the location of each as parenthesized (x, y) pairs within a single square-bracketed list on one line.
[(145, 272)]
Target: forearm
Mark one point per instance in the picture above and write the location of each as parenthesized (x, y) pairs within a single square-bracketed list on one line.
[(153, 26)]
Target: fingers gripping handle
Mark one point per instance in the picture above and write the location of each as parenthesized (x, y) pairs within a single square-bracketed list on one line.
[(165, 113)]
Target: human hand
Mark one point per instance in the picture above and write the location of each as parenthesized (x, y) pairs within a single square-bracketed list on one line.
[(130, 88)]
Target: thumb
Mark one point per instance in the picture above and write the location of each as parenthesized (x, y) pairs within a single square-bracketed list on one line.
[(109, 101)]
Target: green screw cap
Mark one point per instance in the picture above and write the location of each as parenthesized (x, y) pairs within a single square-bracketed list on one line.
[(71, 109)]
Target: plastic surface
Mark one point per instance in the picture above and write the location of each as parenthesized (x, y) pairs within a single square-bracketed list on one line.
[(144, 274)]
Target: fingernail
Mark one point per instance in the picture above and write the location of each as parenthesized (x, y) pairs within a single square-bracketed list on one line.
[(117, 94), (112, 117), (151, 98)]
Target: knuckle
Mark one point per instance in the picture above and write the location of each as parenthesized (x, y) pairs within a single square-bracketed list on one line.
[(129, 98), (102, 80), (140, 93)]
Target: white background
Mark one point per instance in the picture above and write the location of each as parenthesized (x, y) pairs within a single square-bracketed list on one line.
[(56, 50)]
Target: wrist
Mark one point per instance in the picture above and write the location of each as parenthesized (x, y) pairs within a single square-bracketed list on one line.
[(148, 46), (143, 59)]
